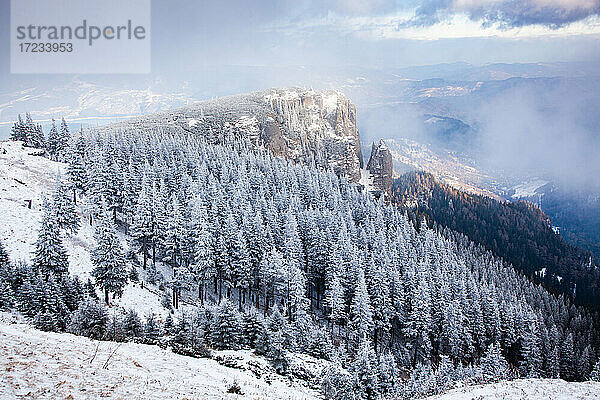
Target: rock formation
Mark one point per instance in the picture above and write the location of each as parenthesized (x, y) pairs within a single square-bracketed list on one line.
[(315, 128), (380, 168)]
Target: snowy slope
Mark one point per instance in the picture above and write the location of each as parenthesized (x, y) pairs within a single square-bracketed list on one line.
[(25, 176), (530, 389), (44, 365)]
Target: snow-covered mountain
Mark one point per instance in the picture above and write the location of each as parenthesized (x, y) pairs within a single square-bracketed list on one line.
[(298, 124)]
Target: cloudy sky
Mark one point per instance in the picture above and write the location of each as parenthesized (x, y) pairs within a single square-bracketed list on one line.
[(187, 34), (374, 33)]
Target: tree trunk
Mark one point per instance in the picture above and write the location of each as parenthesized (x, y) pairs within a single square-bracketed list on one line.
[(106, 300)]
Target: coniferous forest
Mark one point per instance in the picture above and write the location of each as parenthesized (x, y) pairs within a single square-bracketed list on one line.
[(252, 251), (518, 232)]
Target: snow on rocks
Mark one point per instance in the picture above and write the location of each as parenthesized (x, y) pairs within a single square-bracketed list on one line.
[(45, 365)]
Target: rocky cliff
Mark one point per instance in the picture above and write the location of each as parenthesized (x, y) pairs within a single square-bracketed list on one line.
[(302, 125), (380, 167)]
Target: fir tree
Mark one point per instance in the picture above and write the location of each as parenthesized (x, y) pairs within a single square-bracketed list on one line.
[(50, 256), (76, 170), (595, 374), (365, 372), (4, 260), (90, 319), (226, 330), (151, 328), (52, 144), (361, 316), (107, 256), (132, 325), (493, 365), (64, 207)]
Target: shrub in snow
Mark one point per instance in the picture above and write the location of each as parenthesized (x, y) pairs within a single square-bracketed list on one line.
[(226, 326), (90, 319), (151, 329), (319, 345), (235, 389), (252, 325), (132, 325), (277, 352), (336, 383)]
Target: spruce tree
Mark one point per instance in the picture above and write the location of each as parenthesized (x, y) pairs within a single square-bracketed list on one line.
[(226, 330), (132, 325), (361, 315), (50, 255), (76, 170), (107, 256), (64, 207), (365, 372), (17, 132), (52, 144)]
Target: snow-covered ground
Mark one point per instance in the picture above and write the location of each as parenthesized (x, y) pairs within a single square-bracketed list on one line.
[(528, 189), (41, 365), (530, 389), (26, 176)]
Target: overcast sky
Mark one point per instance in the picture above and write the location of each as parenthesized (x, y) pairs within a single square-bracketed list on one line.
[(190, 33)]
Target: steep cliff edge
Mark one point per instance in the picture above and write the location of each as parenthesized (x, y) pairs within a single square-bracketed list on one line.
[(380, 167), (299, 124)]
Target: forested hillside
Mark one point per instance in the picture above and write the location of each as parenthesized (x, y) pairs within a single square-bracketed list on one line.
[(519, 232), (280, 258)]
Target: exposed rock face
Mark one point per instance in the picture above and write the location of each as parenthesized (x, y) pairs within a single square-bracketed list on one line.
[(302, 125), (380, 167)]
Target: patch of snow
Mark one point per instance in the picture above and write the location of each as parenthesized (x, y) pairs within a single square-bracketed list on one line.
[(541, 273), (45, 365), (192, 122), (330, 101), (528, 189), (366, 180), (531, 389)]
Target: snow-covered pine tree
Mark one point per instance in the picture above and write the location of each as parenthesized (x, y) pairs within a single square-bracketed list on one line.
[(90, 319), (62, 144), (50, 255), (361, 315), (64, 207), (595, 374), (17, 132), (151, 328), (335, 300), (132, 325), (52, 143), (365, 372), (3, 255), (76, 170), (107, 256), (226, 329), (142, 230), (493, 365)]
